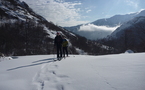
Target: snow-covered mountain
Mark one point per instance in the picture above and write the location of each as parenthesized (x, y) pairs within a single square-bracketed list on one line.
[(103, 27), (129, 35), (118, 19), (25, 32)]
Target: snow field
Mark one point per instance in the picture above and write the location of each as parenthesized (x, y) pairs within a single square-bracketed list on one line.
[(77, 72), (110, 72)]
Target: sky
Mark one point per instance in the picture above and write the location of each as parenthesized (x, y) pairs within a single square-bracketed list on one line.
[(75, 12)]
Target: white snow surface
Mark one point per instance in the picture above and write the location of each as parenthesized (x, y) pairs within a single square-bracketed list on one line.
[(77, 72)]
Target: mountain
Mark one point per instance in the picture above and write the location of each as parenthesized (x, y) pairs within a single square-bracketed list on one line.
[(118, 19), (95, 30), (130, 35), (24, 32)]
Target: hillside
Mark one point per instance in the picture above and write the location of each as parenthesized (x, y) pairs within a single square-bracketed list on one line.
[(77, 72), (24, 32), (129, 35)]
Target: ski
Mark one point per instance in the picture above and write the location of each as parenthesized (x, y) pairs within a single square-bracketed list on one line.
[(59, 59)]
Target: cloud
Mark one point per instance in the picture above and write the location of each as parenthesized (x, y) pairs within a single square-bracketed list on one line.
[(92, 27), (94, 32), (88, 11), (133, 3), (58, 11)]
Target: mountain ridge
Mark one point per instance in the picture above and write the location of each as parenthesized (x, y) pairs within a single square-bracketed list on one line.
[(113, 21)]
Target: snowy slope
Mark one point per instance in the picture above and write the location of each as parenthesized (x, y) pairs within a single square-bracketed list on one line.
[(77, 72), (133, 25), (130, 35), (118, 19)]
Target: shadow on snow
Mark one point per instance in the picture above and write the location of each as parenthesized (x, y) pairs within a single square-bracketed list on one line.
[(39, 62)]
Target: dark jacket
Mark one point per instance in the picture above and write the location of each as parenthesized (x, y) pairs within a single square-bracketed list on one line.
[(58, 40)]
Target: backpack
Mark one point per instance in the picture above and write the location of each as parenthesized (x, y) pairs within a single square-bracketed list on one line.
[(64, 43)]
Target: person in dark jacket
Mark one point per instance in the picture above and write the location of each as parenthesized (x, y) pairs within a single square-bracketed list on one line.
[(58, 44)]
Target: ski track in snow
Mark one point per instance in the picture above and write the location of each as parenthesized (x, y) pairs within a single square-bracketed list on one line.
[(48, 78)]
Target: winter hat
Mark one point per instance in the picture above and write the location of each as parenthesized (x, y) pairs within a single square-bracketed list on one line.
[(58, 33)]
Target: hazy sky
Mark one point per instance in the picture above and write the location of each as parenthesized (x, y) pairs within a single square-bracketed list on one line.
[(74, 12)]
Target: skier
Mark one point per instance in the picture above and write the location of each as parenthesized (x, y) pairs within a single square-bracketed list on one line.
[(58, 44), (65, 46)]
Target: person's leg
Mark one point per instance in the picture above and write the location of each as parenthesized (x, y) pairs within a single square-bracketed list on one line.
[(60, 51), (57, 52), (67, 51), (63, 51)]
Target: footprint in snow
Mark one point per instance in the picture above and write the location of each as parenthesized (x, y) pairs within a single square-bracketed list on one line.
[(48, 78)]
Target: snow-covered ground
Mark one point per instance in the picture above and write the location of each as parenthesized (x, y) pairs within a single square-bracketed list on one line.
[(77, 72)]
